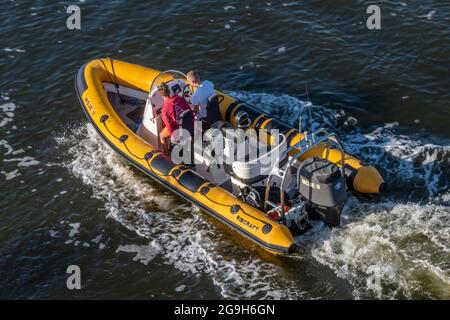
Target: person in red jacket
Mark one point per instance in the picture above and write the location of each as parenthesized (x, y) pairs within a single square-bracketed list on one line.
[(173, 106)]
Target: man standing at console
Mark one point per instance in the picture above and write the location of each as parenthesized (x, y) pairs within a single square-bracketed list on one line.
[(203, 90)]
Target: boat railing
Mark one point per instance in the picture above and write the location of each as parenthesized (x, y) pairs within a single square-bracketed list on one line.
[(310, 141)]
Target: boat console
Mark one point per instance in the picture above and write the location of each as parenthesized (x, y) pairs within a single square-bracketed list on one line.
[(152, 123)]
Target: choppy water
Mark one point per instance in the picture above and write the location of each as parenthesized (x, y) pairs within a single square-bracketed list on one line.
[(68, 199)]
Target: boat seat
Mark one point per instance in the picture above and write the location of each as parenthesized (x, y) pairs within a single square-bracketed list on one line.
[(250, 172), (186, 122), (212, 111)]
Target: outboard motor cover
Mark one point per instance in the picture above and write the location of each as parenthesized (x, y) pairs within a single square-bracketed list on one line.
[(322, 185)]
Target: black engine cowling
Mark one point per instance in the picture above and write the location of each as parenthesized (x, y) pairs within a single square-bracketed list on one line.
[(322, 186)]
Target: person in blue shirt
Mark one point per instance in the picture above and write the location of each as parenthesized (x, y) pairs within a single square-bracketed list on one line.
[(203, 90)]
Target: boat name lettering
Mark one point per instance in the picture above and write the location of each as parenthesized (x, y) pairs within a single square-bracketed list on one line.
[(247, 223), (311, 184), (89, 105)]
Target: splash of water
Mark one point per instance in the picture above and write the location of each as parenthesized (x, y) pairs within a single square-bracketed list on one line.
[(178, 233), (403, 243), (390, 248)]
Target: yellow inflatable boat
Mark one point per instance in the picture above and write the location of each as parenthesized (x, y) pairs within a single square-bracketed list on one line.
[(308, 175)]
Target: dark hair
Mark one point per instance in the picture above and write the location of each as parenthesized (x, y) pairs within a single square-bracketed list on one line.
[(164, 90)]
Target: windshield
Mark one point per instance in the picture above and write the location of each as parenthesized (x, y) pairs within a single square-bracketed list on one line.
[(167, 77)]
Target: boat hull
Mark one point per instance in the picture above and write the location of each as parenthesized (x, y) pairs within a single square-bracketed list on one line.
[(218, 202)]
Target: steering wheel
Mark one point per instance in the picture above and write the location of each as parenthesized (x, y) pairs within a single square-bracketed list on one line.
[(187, 93)]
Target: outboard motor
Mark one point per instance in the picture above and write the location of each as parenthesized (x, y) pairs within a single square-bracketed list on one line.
[(322, 186)]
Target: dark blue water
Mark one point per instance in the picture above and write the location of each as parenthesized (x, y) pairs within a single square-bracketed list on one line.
[(68, 199)]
